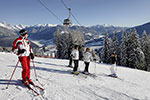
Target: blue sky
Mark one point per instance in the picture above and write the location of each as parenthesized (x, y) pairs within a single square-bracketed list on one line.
[(88, 12)]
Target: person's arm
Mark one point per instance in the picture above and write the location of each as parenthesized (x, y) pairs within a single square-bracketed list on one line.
[(91, 57), (31, 52), (21, 49)]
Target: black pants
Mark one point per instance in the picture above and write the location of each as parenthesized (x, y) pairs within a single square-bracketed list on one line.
[(86, 66), (76, 63), (70, 61)]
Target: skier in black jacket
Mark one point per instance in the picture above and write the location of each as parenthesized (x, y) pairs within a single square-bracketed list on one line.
[(113, 66), (69, 55)]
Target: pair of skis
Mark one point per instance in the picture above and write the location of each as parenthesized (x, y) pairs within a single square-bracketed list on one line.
[(89, 74), (33, 90), (111, 76), (86, 75)]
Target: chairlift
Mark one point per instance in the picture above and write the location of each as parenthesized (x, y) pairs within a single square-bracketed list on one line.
[(68, 22)]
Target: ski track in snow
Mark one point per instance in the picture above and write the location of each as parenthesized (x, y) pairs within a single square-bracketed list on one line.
[(60, 84)]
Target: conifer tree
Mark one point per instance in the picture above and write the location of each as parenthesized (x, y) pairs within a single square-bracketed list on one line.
[(63, 39), (134, 52), (145, 43), (124, 45), (57, 41), (115, 47), (106, 51)]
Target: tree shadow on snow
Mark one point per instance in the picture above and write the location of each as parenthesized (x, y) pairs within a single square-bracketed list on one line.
[(12, 82), (48, 64), (37, 62), (54, 70), (47, 69)]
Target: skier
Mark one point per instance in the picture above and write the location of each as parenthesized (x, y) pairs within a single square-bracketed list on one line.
[(81, 51), (75, 56), (87, 57), (113, 66), (69, 56), (22, 48)]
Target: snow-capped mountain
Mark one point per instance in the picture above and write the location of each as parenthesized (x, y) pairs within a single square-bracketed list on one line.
[(60, 84), (45, 25), (21, 26), (139, 30), (12, 27), (46, 31)]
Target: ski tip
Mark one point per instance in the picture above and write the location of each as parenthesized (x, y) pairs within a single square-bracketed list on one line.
[(112, 76), (37, 94)]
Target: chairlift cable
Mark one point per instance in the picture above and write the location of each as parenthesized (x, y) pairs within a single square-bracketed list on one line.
[(49, 10), (75, 19), (70, 12), (64, 4)]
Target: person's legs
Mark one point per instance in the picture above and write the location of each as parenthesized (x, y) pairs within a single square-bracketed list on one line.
[(112, 69), (70, 62), (28, 62), (24, 64), (75, 65), (86, 66)]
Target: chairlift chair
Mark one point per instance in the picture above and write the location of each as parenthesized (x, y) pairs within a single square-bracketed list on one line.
[(68, 22)]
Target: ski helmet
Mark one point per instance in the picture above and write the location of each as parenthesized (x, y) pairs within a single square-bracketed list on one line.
[(23, 32)]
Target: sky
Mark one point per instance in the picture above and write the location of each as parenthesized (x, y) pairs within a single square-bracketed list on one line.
[(126, 13)]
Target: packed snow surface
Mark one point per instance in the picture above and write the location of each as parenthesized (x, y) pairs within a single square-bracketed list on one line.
[(59, 84)]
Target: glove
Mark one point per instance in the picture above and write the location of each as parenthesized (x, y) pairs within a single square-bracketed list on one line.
[(94, 59), (71, 55), (21, 51), (32, 56)]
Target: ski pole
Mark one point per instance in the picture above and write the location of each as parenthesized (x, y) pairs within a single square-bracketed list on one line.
[(35, 73), (12, 74), (34, 70), (95, 67), (116, 68)]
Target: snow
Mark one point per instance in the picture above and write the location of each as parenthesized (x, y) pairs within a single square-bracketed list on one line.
[(5, 25), (13, 27), (37, 42), (60, 84), (45, 25), (21, 26)]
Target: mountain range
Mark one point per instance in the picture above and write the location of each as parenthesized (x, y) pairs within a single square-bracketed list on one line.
[(44, 33)]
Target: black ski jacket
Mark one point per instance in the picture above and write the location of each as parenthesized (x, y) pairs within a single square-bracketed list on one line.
[(113, 59)]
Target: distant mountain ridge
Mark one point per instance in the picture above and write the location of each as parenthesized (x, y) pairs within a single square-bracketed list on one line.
[(50, 29), (46, 32), (139, 30)]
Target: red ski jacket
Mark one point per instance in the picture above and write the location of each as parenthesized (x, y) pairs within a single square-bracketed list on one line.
[(22, 43)]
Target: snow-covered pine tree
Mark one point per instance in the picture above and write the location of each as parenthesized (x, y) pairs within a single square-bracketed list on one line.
[(115, 48), (140, 59), (123, 48), (106, 50), (145, 44), (134, 52), (78, 39), (57, 41), (65, 38)]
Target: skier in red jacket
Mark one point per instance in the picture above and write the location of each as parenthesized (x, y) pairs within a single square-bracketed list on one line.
[(22, 48)]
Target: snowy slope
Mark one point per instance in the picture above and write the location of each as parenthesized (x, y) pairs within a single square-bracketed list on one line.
[(59, 84)]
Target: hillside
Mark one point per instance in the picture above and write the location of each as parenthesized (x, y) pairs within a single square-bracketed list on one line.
[(139, 29), (60, 84)]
